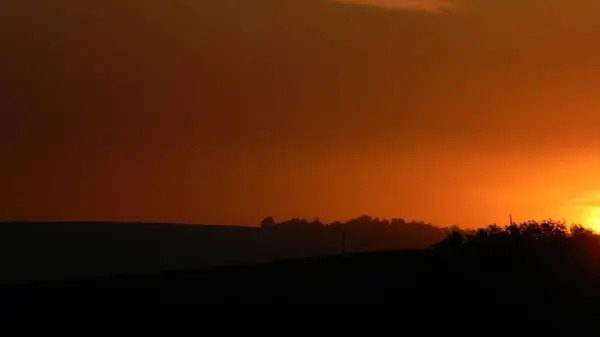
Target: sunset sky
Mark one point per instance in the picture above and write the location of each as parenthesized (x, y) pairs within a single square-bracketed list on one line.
[(225, 111)]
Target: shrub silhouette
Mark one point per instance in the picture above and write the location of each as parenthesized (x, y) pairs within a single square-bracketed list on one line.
[(544, 245), (526, 233)]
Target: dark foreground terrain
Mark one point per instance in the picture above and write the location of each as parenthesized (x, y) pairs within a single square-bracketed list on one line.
[(533, 274), (424, 279)]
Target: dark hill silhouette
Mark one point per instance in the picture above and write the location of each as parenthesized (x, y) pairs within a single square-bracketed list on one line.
[(45, 251), (36, 251)]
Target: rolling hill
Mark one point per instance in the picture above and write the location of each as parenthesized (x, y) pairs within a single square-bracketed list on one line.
[(66, 250)]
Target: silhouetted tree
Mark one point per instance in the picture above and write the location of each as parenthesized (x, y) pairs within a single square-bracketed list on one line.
[(453, 241), (579, 230), (316, 222), (267, 222)]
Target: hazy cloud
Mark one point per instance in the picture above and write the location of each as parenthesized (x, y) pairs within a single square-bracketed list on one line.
[(587, 199), (434, 6)]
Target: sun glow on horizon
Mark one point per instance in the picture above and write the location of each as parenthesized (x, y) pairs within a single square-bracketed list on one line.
[(592, 219)]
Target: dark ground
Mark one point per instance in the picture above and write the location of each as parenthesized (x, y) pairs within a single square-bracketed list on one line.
[(413, 279), (497, 280)]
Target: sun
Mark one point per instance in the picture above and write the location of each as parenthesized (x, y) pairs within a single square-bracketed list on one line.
[(591, 219)]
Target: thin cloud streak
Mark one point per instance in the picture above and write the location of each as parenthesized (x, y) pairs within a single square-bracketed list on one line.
[(589, 199), (431, 6)]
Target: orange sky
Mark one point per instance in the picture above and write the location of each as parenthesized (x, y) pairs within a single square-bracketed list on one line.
[(224, 111)]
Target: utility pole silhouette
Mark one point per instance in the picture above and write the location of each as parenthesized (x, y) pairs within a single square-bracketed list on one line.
[(510, 217)]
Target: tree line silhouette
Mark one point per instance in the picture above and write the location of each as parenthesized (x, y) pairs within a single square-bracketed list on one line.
[(362, 233), (399, 233), (526, 234), (551, 243)]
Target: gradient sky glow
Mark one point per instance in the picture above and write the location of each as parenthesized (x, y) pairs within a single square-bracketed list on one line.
[(434, 6), (225, 111)]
